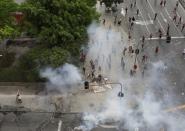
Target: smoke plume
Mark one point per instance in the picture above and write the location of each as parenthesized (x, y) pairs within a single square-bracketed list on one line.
[(145, 101), (63, 79)]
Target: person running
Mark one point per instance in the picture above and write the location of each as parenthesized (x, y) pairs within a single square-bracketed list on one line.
[(130, 49), (156, 50), (115, 19), (180, 19), (143, 59), (164, 3), (126, 9), (122, 63), (124, 51), (119, 22), (143, 38), (160, 35), (168, 28), (103, 21), (155, 16), (129, 19), (131, 25), (131, 5), (159, 31), (175, 18), (175, 9), (137, 12), (133, 18), (135, 3), (83, 70), (129, 36), (131, 72), (177, 3), (161, 3), (151, 36)]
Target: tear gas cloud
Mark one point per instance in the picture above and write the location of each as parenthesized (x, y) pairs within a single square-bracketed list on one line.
[(141, 107), (103, 50), (63, 79)]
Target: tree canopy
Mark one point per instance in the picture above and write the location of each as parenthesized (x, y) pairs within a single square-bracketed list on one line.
[(59, 22), (6, 8), (7, 28), (60, 27)]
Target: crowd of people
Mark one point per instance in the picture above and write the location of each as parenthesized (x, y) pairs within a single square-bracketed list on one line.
[(130, 49)]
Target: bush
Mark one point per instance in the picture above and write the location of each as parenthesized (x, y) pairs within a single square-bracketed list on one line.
[(7, 59)]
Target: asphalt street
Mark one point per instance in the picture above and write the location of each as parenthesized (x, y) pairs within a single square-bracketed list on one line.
[(169, 53)]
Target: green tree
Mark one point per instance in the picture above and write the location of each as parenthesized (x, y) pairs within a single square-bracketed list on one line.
[(54, 57), (7, 29), (6, 8), (8, 32), (59, 22)]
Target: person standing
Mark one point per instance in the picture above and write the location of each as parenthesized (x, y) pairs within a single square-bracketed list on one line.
[(150, 35), (83, 70), (177, 4), (164, 3), (175, 18), (161, 3), (135, 3), (131, 5), (168, 28), (122, 63), (143, 38), (103, 21), (155, 16), (137, 12), (124, 51), (126, 9), (180, 19), (156, 50)]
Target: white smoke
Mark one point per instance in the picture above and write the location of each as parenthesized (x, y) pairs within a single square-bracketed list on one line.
[(103, 49), (63, 79), (142, 107)]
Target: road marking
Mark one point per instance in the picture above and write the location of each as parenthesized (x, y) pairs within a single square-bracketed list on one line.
[(178, 14), (173, 22), (164, 38), (138, 22), (161, 25), (145, 23), (181, 6), (168, 13), (165, 20), (179, 17), (149, 17), (154, 13), (151, 7)]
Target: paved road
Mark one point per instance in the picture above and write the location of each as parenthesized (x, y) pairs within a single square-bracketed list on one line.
[(45, 122), (169, 53)]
